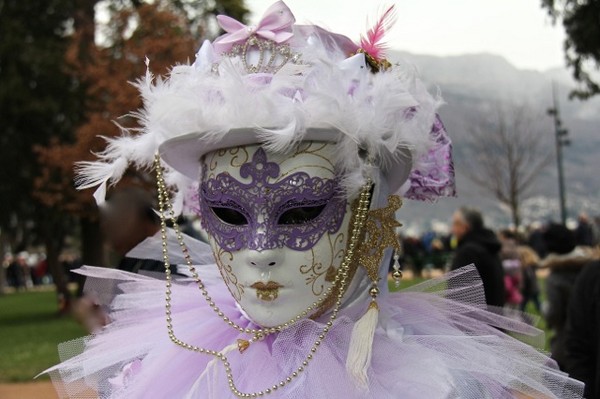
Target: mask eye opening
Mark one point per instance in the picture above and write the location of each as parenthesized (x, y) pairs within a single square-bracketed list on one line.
[(229, 216), (300, 215)]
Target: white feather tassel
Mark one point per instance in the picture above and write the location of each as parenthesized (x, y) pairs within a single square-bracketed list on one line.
[(361, 346)]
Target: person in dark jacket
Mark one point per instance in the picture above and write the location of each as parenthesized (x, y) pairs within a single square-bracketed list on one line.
[(531, 289), (583, 331), (564, 261), (584, 233), (126, 220), (479, 246)]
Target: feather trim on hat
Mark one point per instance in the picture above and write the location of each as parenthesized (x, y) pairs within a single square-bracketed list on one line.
[(381, 113)]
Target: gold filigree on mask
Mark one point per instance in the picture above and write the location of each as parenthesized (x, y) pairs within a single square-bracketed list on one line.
[(237, 157), (330, 300), (380, 234), (315, 149), (339, 251), (314, 271), (229, 277), (325, 267)]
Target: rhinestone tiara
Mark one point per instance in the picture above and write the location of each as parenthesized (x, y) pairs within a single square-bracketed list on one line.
[(271, 56)]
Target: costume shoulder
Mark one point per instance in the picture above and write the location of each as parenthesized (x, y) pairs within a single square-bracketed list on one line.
[(449, 344), (468, 253)]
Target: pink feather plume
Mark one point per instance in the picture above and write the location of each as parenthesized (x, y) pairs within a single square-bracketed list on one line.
[(373, 43)]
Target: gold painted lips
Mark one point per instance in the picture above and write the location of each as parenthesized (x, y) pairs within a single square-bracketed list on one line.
[(267, 291)]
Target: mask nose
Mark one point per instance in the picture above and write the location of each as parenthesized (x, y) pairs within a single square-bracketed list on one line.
[(265, 259)]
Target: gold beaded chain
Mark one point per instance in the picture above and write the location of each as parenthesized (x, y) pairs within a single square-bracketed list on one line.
[(341, 276), (257, 334)]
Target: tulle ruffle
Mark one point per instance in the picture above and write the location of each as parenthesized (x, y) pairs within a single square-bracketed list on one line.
[(434, 340)]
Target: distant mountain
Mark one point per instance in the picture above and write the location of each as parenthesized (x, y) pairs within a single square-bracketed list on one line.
[(471, 84)]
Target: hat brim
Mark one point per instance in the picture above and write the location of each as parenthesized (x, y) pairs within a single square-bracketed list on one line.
[(184, 153)]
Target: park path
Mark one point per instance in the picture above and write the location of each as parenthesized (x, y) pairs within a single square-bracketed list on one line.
[(27, 390)]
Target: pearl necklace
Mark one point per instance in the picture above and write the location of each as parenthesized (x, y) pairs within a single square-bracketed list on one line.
[(341, 278), (257, 334)]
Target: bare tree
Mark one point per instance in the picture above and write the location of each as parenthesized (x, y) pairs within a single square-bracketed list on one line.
[(507, 149)]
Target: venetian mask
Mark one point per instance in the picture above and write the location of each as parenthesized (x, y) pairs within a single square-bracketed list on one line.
[(277, 225)]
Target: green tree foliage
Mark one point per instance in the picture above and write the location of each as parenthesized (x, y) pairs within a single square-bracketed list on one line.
[(581, 20), (167, 32), (39, 100), (61, 88)]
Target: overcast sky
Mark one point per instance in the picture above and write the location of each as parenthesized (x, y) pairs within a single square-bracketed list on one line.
[(518, 30)]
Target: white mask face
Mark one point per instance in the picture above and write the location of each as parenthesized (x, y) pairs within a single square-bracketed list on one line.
[(277, 225)]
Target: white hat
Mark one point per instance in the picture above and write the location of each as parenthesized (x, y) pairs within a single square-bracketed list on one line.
[(276, 84)]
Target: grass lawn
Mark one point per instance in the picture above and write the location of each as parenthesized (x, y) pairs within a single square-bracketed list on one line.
[(30, 330)]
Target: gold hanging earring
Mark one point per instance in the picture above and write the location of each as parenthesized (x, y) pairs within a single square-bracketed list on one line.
[(397, 273), (380, 234)]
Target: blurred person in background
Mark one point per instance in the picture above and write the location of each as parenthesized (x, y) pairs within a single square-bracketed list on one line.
[(565, 260), (530, 288), (535, 233), (40, 271), (11, 268), (584, 233), (4, 281), (583, 331), (414, 254), (511, 264), (438, 254), (596, 228), (478, 245), (18, 271), (126, 219)]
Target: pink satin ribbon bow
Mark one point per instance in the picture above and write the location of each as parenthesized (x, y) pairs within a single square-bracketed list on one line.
[(276, 25)]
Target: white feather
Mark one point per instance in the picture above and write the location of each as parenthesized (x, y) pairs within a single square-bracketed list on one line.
[(370, 110)]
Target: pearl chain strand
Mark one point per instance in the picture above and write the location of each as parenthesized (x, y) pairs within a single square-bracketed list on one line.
[(341, 278), (258, 334)]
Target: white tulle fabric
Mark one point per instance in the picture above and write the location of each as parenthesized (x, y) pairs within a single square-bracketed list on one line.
[(433, 340)]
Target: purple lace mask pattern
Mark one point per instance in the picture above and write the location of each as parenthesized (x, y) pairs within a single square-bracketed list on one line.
[(263, 203)]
